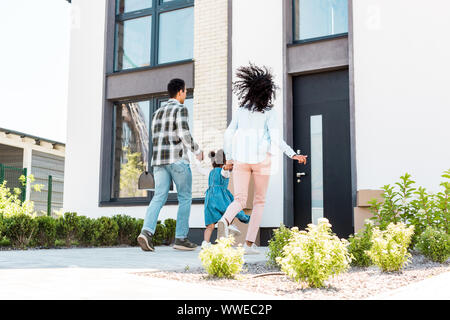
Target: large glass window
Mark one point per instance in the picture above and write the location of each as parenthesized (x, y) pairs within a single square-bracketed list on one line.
[(132, 149), (320, 18), (176, 35), (153, 32)]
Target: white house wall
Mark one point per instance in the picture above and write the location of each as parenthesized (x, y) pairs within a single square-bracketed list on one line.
[(402, 96), (85, 100)]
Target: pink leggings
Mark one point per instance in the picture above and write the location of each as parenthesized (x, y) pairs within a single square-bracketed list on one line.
[(241, 178)]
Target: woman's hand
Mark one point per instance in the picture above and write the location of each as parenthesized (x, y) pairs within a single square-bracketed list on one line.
[(228, 165), (300, 158)]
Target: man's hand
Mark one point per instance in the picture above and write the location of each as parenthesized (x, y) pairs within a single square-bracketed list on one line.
[(300, 158), (200, 156)]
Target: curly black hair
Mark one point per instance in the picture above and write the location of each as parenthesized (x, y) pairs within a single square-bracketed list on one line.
[(256, 88)]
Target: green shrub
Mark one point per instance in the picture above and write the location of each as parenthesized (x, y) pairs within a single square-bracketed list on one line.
[(222, 260), (314, 255), (127, 232), (280, 238), (87, 233), (389, 249), (170, 225), (5, 242), (138, 224), (160, 234), (11, 203), (67, 227), (413, 206), (19, 229), (434, 244), (359, 244), (1, 225), (45, 234), (107, 231)]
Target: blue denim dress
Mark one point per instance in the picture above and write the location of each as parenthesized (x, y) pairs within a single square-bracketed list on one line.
[(218, 198)]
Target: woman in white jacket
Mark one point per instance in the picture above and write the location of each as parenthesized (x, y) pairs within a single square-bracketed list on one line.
[(248, 144)]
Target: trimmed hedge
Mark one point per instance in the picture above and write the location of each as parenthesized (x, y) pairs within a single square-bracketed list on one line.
[(24, 231)]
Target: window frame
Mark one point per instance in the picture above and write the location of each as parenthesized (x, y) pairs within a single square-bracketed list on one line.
[(158, 7), (314, 39), (172, 199)]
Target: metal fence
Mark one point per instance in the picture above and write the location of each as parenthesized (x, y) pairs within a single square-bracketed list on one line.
[(12, 177), (48, 199)]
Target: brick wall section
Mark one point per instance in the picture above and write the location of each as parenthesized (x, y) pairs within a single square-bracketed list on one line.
[(210, 81)]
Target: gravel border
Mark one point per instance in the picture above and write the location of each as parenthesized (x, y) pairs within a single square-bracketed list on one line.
[(357, 283)]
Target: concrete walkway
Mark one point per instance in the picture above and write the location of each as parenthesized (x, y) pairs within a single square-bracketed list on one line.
[(434, 288), (110, 273), (106, 273)]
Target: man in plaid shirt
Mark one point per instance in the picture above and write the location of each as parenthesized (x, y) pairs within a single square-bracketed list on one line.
[(172, 141)]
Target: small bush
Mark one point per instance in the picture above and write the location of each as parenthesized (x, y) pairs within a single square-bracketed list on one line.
[(314, 255), (434, 244), (45, 234), (87, 233), (359, 244), (107, 230), (138, 225), (1, 225), (5, 242), (280, 238), (67, 227), (19, 229), (222, 260), (170, 225), (160, 234), (127, 232), (389, 249)]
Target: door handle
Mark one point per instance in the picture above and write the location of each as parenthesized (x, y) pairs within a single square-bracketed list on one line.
[(299, 175)]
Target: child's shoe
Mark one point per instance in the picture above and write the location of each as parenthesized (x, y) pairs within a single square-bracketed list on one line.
[(222, 228), (234, 230), (205, 244), (250, 250)]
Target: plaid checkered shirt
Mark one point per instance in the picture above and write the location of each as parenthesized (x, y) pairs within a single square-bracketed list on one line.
[(170, 134)]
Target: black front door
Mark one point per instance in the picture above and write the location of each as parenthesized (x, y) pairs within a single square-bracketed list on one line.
[(323, 188)]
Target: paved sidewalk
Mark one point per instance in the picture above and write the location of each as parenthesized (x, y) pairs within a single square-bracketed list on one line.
[(106, 273), (434, 288)]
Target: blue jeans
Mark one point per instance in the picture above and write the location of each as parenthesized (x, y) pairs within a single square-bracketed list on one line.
[(180, 173)]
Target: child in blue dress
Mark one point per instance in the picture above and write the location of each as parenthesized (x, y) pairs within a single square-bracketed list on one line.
[(218, 197)]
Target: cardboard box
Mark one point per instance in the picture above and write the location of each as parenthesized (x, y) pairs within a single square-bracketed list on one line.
[(364, 196), (359, 217)]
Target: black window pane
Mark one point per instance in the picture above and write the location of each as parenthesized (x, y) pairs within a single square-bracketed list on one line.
[(176, 35), (124, 6), (133, 43), (131, 148), (319, 18)]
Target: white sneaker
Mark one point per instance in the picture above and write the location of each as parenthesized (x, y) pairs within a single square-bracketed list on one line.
[(206, 244), (222, 228), (234, 230), (250, 250)]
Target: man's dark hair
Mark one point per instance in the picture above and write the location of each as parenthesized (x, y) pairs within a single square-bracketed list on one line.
[(175, 86), (255, 88)]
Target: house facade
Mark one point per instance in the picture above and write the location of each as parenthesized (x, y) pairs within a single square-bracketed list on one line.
[(363, 92), (25, 154)]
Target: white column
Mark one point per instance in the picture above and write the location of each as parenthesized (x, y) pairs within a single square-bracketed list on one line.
[(27, 156)]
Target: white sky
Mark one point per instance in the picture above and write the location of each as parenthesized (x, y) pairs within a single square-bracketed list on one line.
[(34, 62)]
